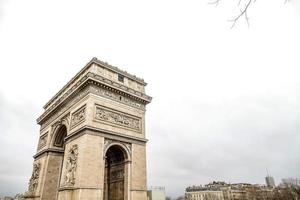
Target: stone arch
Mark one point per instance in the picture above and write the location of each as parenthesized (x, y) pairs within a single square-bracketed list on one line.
[(61, 133), (58, 135), (125, 148), (55, 161), (116, 173)]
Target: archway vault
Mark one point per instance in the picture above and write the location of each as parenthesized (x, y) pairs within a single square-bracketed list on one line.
[(116, 172), (126, 148), (59, 136)]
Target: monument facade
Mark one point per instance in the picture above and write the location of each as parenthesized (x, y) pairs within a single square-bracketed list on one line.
[(92, 143)]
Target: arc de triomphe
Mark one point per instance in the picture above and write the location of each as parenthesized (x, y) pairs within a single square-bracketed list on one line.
[(92, 139)]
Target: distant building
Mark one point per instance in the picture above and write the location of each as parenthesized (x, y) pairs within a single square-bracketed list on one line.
[(224, 191), (204, 195), (156, 193), (270, 181), (211, 191)]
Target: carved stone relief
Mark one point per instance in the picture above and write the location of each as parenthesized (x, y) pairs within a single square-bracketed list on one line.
[(117, 118), (34, 180), (71, 165), (78, 116), (60, 98), (43, 141), (96, 90), (116, 97)]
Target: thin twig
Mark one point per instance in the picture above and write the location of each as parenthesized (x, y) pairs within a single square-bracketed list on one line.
[(215, 2), (243, 12)]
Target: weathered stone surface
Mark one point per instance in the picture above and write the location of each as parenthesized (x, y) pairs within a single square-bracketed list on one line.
[(92, 140)]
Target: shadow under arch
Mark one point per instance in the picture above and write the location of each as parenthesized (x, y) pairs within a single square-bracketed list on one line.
[(116, 173), (59, 137), (122, 147)]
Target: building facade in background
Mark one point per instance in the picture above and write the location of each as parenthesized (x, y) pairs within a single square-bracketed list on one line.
[(156, 193), (92, 141), (224, 191)]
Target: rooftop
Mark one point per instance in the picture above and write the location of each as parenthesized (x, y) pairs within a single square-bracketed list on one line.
[(101, 63)]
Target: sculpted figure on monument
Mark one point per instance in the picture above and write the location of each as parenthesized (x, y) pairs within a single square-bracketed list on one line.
[(33, 182), (71, 166), (105, 116)]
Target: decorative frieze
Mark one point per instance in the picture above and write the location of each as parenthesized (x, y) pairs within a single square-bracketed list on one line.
[(43, 141), (34, 180), (78, 116), (71, 165), (58, 99), (98, 90), (116, 97), (117, 118)]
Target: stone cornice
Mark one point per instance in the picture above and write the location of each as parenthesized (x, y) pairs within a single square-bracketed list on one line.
[(78, 188), (75, 78), (91, 78), (107, 134), (83, 70), (49, 150), (120, 88)]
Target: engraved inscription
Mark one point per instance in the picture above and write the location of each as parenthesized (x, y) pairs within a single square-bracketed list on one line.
[(114, 117)]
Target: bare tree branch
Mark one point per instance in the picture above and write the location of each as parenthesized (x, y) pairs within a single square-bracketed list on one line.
[(243, 9), (243, 12), (216, 2)]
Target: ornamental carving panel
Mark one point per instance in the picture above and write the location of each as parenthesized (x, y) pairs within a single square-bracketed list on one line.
[(43, 141), (78, 116), (71, 165), (117, 118), (116, 97), (34, 180)]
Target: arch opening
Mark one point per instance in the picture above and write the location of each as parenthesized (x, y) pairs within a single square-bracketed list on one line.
[(115, 175), (60, 135), (55, 163)]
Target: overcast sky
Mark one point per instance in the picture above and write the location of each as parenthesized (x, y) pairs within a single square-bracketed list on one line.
[(226, 101)]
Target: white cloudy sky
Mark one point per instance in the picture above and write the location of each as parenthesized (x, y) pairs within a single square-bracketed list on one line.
[(226, 101)]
